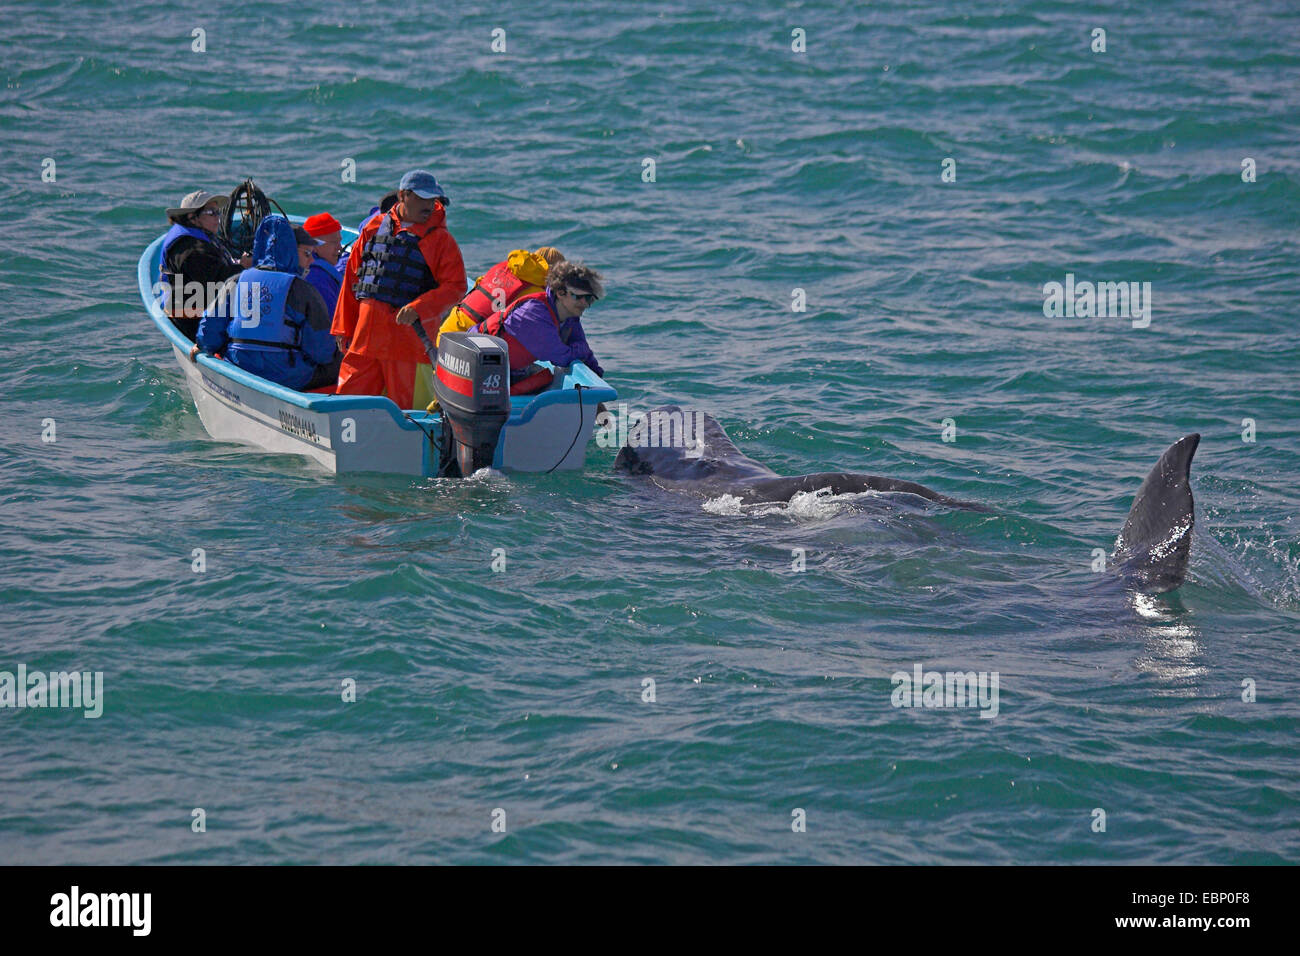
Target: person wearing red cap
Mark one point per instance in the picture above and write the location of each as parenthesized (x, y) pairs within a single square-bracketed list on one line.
[(405, 267), (323, 272)]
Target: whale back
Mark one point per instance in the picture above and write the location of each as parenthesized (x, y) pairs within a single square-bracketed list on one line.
[(708, 462)]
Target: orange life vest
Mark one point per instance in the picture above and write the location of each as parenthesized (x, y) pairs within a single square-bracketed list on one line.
[(498, 284), (521, 273), (525, 377)]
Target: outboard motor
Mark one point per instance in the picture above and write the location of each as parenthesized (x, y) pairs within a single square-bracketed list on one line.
[(473, 388)]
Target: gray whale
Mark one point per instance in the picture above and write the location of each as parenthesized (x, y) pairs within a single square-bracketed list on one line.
[(1151, 552), (706, 461)]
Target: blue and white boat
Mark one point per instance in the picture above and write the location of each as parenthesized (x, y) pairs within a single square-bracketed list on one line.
[(546, 431)]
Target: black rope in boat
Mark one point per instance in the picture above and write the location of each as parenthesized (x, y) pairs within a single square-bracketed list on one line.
[(579, 389), (253, 206)]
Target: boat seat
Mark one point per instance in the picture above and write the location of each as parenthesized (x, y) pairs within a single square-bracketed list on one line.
[(533, 383)]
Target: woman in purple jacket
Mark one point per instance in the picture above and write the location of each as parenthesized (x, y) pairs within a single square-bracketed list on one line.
[(548, 326)]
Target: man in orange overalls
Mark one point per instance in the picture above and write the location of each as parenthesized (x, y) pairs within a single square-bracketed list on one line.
[(405, 267)]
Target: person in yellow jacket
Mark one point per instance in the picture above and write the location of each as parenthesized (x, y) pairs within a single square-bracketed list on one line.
[(522, 273)]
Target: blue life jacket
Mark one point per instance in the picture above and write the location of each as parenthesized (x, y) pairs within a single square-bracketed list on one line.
[(392, 268), (326, 280), (174, 299), (274, 325), (174, 233), (275, 342)]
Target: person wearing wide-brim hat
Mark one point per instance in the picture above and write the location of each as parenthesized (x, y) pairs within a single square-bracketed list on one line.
[(192, 261)]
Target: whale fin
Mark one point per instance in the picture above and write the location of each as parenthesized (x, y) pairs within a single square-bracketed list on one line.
[(1153, 547)]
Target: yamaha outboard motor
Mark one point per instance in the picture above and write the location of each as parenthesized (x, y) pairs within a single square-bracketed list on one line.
[(473, 388)]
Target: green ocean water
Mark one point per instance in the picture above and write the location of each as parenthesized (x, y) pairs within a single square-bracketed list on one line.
[(775, 170)]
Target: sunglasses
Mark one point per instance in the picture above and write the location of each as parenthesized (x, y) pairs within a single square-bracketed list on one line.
[(210, 211), (586, 297)]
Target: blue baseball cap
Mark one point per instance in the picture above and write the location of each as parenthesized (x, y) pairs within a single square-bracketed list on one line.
[(422, 183)]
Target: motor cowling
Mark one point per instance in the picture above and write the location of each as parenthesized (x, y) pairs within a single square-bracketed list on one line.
[(472, 386)]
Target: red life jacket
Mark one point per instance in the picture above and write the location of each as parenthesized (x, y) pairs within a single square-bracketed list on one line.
[(525, 378), (498, 283)]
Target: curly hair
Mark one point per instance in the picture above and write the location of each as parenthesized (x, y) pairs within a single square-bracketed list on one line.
[(562, 275)]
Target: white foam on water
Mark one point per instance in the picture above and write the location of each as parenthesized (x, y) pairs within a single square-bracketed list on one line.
[(804, 506), (1254, 560), (819, 504), (725, 505)]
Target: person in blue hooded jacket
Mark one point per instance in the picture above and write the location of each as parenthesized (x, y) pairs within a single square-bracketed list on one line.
[(270, 322)]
